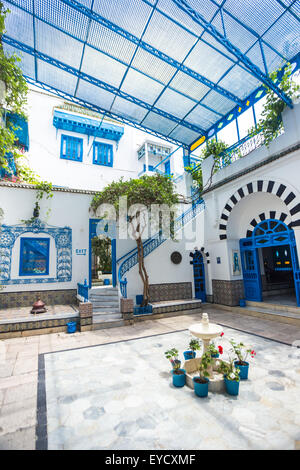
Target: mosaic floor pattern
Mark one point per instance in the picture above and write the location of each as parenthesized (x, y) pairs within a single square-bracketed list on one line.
[(120, 396)]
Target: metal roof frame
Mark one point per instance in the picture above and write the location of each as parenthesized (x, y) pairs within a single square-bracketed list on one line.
[(188, 102)]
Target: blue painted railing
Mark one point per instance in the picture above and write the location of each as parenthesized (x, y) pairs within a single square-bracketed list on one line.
[(131, 258), (240, 149), (83, 290)]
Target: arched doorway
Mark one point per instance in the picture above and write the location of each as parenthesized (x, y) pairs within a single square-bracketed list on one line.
[(271, 249), (199, 276)]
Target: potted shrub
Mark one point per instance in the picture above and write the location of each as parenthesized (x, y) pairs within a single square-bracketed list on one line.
[(172, 356), (178, 375), (231, 377), (241, 353), (215, 351), (201, 382), (193, 347)]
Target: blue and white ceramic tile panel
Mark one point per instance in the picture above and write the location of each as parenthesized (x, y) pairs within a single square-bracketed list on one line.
[(63, 243)]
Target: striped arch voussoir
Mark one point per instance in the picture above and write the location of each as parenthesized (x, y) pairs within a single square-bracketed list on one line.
[(291, 217)]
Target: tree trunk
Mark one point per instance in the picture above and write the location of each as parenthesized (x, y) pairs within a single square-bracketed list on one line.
[(143, 272)]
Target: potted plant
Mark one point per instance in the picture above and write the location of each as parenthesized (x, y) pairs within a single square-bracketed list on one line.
[(193, 347), (231, 377), (201, 382), (178, 374), (172, 356), (215, 351), (241, 353)]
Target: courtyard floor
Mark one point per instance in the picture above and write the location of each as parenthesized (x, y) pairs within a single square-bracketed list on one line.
[(112, 389)]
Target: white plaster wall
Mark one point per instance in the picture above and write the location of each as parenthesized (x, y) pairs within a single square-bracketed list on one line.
[(285, 170), (45, 143), (67, 210)]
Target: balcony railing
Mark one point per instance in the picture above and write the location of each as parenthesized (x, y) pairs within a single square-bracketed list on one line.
[(240, 149)]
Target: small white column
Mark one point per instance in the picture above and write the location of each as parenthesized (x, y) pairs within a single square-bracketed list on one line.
[(146, 158)]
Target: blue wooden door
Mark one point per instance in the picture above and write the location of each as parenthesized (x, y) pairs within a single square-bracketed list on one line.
[(251, 271), (295, 263), (199, 276), (167, 168)]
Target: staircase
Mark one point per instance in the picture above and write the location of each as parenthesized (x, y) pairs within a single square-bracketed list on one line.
[(131, 259), (106, 309)]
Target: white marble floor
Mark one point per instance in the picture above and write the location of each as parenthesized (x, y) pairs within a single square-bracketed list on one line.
[(120, 396)]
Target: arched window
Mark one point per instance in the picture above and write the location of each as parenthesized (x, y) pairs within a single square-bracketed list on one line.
[(269, 226)]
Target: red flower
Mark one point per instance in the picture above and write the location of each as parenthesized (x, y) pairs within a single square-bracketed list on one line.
[(222, 334), (220, 349)]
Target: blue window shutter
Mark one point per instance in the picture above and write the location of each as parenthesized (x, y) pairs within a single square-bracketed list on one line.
[(71, 148), (103, 154)]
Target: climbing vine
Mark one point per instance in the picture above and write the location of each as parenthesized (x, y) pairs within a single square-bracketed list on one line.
[(13, 99), (215, 148), (270, 123)]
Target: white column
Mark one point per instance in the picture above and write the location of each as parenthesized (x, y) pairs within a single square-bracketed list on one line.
[(146, 157)]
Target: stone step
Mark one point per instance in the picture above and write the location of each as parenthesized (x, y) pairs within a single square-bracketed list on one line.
[(106, 303), (106, 317), (103, 307), (270, 293), (279, 316), (106, 309), (105, 298), (274, 307), (108, 324)]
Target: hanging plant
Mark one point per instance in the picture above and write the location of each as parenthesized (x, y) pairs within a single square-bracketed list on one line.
[(270, 123), (215, 148), (14, 100)]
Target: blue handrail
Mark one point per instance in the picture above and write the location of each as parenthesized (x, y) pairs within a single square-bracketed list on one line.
[(152, 243)]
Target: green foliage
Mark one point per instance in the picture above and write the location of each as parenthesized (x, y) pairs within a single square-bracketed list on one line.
[(146, 190), (11, 75), (102, 249), (270, 123), (172, 354), (204, 364), (229, 371), (194, 345), (215, 148), (241, 351)]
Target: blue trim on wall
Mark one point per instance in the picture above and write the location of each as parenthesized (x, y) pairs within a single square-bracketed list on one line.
[(75, 145), (103, 154), (88, 126), (22, 245)]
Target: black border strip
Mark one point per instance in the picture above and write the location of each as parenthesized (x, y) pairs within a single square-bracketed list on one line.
[(41, 415), (41, 426)]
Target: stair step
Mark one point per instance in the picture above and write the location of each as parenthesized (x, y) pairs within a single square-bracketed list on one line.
[(111, 302), (106, 310), (274, 307), (105, 298), (104, 307), (105, 317), (108, 324)]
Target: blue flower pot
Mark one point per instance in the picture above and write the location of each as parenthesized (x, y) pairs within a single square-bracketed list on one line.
[(139, 299), (189, 355), (232, 386), (243, 370), (106, 282), (215, 356), (201, 390), (242, 303), (179, 379), (71, 327)]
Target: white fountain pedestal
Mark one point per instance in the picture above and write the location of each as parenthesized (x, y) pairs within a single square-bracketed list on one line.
[(205, 331)]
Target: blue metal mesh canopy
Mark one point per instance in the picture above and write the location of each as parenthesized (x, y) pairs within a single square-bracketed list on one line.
[(174, 68)]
